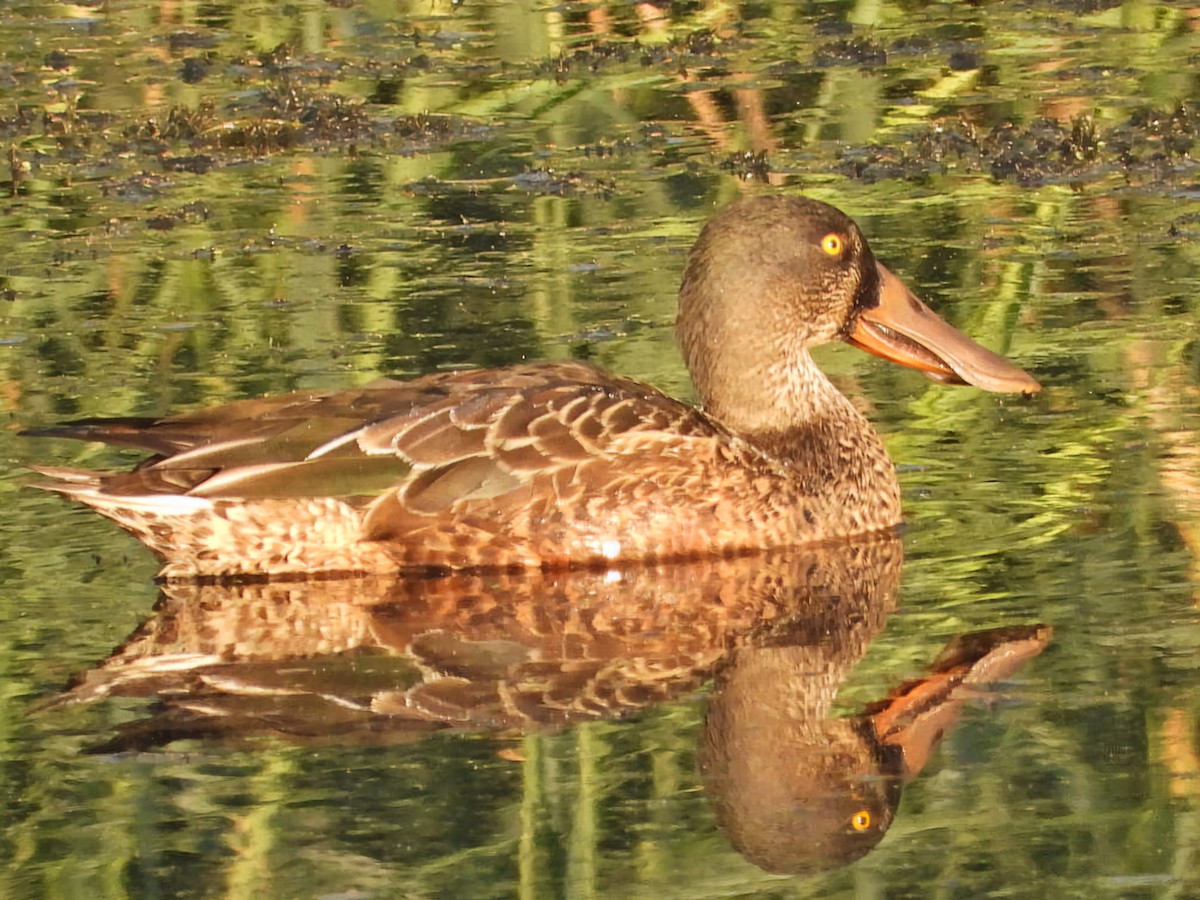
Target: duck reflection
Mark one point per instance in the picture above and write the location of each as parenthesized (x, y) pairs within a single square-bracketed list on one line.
[(800, 790), (384, 661)]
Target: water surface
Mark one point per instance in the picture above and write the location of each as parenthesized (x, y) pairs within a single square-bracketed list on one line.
[(213, 201)]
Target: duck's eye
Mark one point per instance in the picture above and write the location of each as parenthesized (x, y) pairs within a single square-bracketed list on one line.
[(861, 820), (833, 244)]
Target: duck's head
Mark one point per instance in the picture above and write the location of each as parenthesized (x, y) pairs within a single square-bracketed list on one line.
[(770, 277)]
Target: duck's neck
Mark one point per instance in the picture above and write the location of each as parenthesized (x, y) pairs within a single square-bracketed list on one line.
[(835, 457), (771, 400)]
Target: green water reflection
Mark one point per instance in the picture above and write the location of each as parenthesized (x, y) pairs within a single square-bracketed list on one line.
[(210, 201)]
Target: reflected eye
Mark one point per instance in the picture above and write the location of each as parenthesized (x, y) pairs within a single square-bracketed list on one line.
[(861, 820), (833, 244)]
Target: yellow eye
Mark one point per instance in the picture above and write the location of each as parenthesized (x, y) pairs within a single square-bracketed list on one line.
[(833, 244), (861, 820)]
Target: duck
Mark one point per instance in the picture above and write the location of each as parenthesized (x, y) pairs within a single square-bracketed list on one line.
[(561, 464)]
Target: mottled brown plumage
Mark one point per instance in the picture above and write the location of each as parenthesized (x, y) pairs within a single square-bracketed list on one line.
[(561, 464)]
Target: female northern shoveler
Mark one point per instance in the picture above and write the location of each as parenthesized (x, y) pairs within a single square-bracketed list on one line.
[(561, 464)]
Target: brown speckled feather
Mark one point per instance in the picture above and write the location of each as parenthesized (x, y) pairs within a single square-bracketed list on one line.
[(558, 464)]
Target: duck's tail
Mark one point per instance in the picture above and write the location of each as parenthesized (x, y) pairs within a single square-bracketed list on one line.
[(207, 537), (155, 519)]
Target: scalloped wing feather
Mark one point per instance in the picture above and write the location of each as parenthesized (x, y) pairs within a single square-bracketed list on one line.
[(433, 444)]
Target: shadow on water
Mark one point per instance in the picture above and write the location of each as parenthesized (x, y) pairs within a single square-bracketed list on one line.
[(797, 788)]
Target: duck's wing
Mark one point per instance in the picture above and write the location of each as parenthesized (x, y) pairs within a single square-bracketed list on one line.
[(432, 442)]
